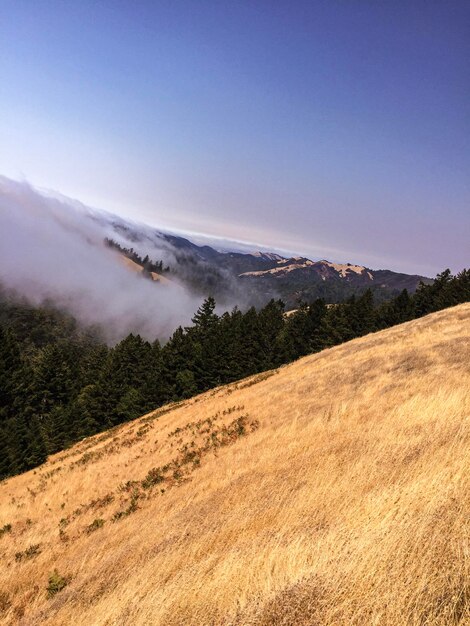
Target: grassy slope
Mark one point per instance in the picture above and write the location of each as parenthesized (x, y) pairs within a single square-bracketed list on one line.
[(349, 504), (138, 269)]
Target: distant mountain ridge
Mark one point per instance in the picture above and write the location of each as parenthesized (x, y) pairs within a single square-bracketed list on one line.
[(259, 276)]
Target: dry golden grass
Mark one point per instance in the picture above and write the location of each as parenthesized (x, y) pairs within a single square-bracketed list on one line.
[(138, 269), (348, 504)]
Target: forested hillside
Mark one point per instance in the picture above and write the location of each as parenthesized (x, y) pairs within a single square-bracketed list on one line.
[(147, 264), (60, 383)]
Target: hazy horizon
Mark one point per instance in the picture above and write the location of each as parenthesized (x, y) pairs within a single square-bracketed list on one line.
[(221, 243), (324, 129)]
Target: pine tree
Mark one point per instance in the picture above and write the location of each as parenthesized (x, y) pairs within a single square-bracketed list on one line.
[(27, 445), (185, 384), (231, 365), (5, 454), (339, 323), (317, 327), (87, 413), (205, 319), (155, 389), (270, 322), (10, 371), (250, 355), (398, 310), (361, 314), (126, 369)]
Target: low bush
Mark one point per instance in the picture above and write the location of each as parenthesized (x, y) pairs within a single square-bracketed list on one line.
[(29, 553), (97, 523), (6, 528), (55, 584)]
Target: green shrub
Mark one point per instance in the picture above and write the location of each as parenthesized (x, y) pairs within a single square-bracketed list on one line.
[(5, 529), (56, 583), (97, 523), (5, 602), (154, 477), (132, 508), (29, 553)]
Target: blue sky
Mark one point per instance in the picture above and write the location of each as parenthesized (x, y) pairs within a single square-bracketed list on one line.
[(334, 129)]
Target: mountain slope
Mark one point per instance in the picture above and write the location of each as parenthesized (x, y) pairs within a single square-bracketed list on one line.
[(299, 278), (257, 277), (332, 491), (138, 269)]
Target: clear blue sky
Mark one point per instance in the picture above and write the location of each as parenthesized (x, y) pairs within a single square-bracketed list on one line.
[(339, 129)]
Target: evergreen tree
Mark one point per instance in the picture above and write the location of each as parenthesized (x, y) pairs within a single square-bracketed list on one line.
[(154, 388), (317, 328), (10, 371), (270, 323), (126, 369), (339, 322), (178, 355), (250, 352), (362, 314), (400, 309), (207, 345), (205, 319), (27, 444), (87, 411), (5, 454), (232, 365)]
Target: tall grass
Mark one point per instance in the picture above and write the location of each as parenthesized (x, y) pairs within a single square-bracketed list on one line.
[(349, 503)]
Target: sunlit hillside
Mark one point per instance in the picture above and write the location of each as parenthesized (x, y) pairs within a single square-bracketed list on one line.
[(135, 267), (333, 491)]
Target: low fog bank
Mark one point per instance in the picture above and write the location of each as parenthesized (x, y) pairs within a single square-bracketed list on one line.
[(52, 248)]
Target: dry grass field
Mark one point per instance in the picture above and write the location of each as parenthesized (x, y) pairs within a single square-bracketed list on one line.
[(138, 269), (334, 491)]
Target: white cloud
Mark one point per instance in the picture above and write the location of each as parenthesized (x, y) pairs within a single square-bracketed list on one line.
[(50, 248)]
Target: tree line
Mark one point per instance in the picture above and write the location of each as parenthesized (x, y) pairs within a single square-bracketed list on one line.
[(145, 262), (60, 383)]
